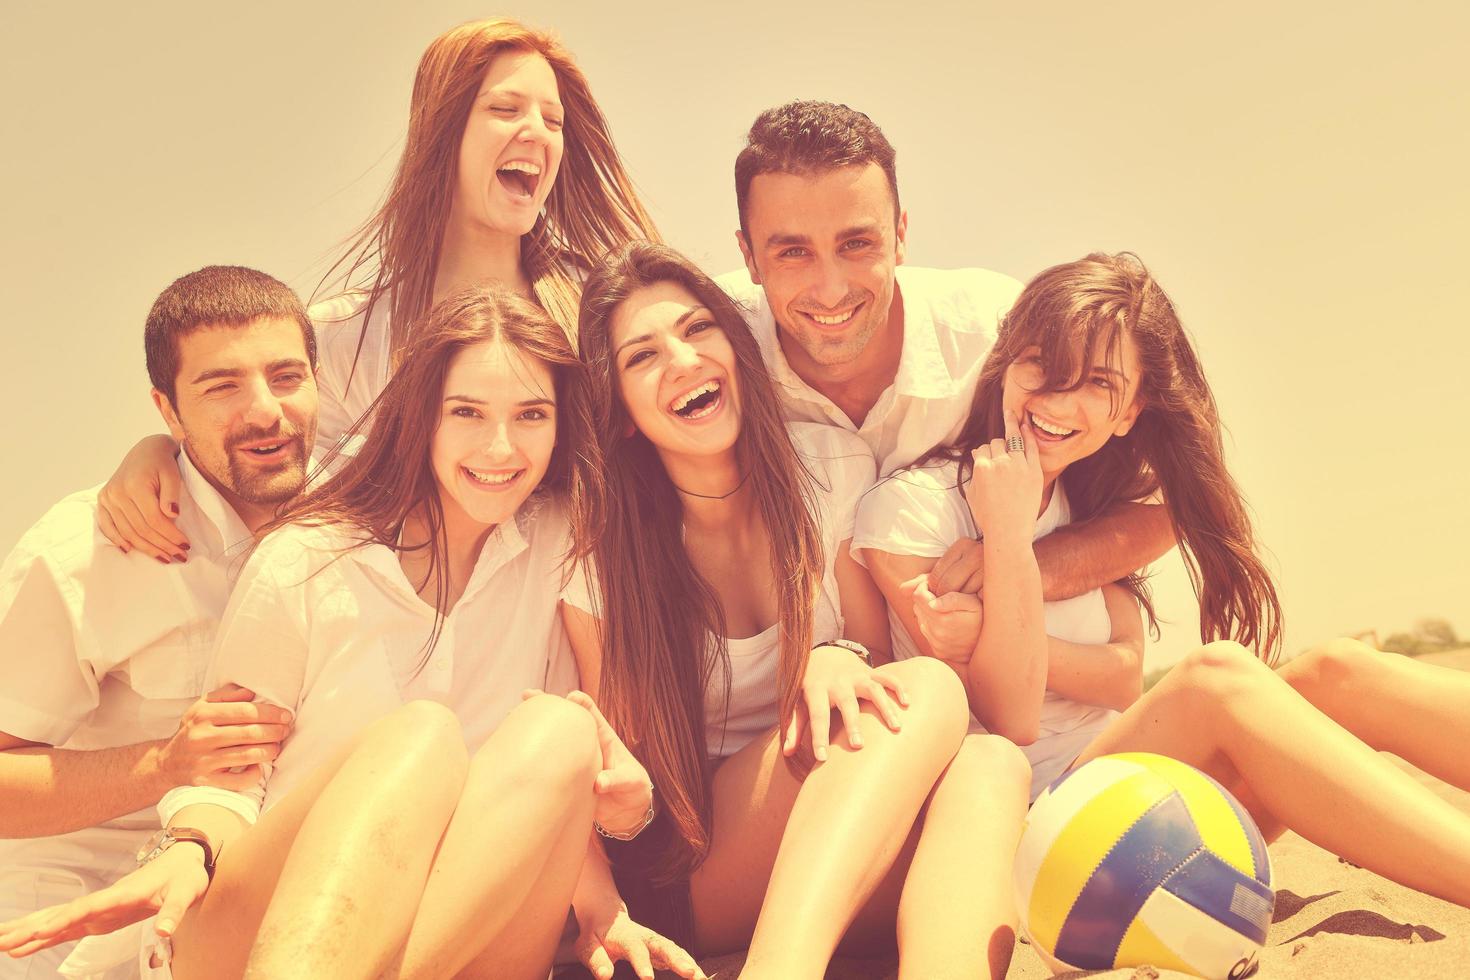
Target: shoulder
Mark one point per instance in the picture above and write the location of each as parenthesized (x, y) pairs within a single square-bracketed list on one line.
[(964, 300), (340, 320), (294, 553), (544, 520), (65, 540), (833, 450), (928, 483)]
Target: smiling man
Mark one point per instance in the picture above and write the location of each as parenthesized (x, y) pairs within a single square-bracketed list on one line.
[(103, 652), (854, 338)]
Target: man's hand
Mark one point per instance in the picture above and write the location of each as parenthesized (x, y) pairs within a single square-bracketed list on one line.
[(223, 731), (950, 623), (168, 885), (962, 569)]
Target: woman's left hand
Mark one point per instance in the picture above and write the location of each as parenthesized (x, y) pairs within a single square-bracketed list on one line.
[(624, 791), (837, 678), (608, 935)]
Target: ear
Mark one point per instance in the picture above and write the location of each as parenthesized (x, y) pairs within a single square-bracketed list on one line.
[(170, 417), (901, 233), (1129, 417), (749, 258)]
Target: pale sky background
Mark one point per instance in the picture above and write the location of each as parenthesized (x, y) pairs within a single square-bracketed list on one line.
[(1296, 178)]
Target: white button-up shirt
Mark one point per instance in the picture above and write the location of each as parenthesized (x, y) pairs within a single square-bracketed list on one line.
[(339, 323), (950, 319), (337, 635), (100, 649)]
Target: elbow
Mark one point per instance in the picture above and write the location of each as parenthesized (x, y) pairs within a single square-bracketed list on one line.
[(1128, 693), (1022, 732)]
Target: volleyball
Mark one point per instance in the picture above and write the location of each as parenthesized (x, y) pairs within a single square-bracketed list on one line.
[(1138, 859)]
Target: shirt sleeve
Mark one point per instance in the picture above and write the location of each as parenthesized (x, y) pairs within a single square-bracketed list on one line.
[(47, 686), (851, 470), (580, 591), (911, 512), (261, 645)]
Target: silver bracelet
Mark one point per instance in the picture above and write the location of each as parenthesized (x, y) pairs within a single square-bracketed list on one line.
[(628, 835), (852, 646)]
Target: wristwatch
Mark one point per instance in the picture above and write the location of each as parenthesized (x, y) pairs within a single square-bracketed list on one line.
[(630, 834), (168, 837), (850, 645)]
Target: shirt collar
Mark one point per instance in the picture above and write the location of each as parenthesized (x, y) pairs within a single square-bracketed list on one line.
[(227, 533)]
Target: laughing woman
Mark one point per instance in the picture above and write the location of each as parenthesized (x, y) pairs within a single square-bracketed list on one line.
[(398, 612), (1093, 395), (734, 626), (509, 175)]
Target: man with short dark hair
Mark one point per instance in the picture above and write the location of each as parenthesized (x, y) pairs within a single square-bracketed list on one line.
[(854, 338), (102, 652)]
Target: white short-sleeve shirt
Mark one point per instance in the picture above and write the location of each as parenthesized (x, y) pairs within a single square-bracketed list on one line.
[(842, 469), (100, 649), (950, 319), (921, 512), (337, 635), (348, 376)]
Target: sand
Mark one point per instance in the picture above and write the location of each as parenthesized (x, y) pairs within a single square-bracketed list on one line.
[(1332, 919)]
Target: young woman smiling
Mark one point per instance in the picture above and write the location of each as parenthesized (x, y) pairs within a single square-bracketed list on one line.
[(509, 175), (398, 611), (1094, 395), (724, 605)]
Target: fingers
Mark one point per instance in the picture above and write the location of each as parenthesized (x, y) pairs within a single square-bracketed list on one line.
[(596, 960), (237, 758), (636, 954), (230, 692), (228, 714), (1028, 436), (877, 694), (607, 739), (243, 781), (623, 779), (819, 716), (169, 486), (847, 707), (1012, 425), (133, 539), (109, 530), (669, 955), (954, 602), (793, 734), (154, 530), (531, 692)]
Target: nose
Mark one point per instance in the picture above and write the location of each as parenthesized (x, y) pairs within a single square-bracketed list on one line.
[(535, 130), (830, 289), (499, 447), (264, 408), (682, 356)]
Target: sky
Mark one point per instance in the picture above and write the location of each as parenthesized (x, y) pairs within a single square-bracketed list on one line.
[(1294, 177)]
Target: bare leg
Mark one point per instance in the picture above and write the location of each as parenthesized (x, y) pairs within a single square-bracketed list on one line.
[(502, 882), (957, 917), (1226, 713), (1417, 711), (846, 824), (351, 806)]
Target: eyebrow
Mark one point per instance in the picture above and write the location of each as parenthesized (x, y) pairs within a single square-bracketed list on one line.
[(684, 318), (271, 368), (472, 400), (870, 229), (513, 93)]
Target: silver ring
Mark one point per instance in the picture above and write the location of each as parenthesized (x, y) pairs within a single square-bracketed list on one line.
[(1015, 444)]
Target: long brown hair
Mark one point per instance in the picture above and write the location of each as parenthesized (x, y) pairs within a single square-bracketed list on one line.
[(391, 478), (663, 626), (1175, 445), (591, 208)]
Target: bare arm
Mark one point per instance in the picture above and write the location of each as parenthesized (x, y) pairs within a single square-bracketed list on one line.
[(1074, 559), (1006, 677), (893, 575), (138, 505), (585, 636), (1109, 675), (46, 790), (864, 613)]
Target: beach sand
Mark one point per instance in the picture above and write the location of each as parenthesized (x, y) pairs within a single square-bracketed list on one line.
[(1333, 920)]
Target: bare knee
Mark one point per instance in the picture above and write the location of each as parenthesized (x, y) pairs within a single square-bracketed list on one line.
[(555, 744), (1220, 669), (996, 762), (424, 733), (1333, 666), (936, 698)]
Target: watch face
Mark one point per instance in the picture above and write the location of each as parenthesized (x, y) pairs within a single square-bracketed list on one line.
[(152, 846)]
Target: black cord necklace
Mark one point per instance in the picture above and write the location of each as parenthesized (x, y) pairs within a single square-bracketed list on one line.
[(714, 496)]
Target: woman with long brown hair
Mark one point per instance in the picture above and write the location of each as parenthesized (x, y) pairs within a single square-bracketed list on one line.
[(1091, 396), (398, 612), (725, 605), (509, 174)]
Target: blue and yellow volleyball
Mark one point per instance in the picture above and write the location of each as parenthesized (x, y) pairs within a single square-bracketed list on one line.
[(1138, 859)]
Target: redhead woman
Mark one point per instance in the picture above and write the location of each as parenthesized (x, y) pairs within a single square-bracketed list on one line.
[(509, 175), (1093, 395), (423, 820), (807, 788)]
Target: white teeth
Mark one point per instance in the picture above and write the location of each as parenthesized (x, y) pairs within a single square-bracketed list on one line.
[(522, 166), (689, 396), (492, 479), (832, 321), (1048, 428)]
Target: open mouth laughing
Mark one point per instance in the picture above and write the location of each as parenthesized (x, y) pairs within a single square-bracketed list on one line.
[(520, 178), (492, 479), (700, 401), (1047, 431)]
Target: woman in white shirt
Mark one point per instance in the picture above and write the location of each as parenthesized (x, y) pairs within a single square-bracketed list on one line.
[(1091, 396), (509, 174), (399, 611), (724, 606)]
